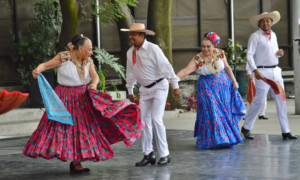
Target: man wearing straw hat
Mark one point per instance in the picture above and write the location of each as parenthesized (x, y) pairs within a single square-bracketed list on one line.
[(262, 59), (147, 65)]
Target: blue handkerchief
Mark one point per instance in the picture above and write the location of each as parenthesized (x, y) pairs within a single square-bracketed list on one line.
[(55, 108)]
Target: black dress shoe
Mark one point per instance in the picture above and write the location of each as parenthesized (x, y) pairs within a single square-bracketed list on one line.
[(164, 160), (75, 171), (288, 136), (247, 133), (263, 117), (148, 159)]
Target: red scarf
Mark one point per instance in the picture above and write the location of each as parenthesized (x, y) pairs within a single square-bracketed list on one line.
[(134, 55), (250, 91), (268, 33), (277, 88)]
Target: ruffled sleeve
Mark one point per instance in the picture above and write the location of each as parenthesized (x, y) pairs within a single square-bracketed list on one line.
[(199, 60), (65, 56), (220, 54)]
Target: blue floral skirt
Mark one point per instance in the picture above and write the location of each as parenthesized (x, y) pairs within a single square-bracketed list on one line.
[(219, 110)]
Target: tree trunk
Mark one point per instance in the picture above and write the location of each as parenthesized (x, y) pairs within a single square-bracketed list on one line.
[(71, 20), (159, 20), (124, 22)]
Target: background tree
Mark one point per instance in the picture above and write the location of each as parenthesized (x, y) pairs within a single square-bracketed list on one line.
[(159, 20), (71, 19), (75, 11), (109, 11), (38, 40), (124, 22)]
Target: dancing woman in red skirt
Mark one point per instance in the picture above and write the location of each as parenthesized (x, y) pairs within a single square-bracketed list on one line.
[(98, 122)]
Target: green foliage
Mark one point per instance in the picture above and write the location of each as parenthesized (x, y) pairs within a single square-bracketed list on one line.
[(235, 55), (110, 10), (103, 57), (37, 41), (136, 90)]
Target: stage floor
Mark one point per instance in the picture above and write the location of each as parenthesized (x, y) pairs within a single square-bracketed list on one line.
[(265, 157)]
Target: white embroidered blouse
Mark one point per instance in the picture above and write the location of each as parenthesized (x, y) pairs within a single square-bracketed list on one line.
[(202, 69), (68, 74)]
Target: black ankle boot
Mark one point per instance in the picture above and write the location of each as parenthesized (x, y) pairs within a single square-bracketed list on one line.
[(288, 136), (75, 171), (247, 133), (164, 160), (148, 159)]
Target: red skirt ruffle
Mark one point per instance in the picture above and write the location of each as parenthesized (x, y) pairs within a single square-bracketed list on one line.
[(98, 123)]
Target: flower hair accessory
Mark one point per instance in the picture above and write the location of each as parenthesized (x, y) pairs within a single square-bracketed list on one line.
[(214, 38), (70, 46)]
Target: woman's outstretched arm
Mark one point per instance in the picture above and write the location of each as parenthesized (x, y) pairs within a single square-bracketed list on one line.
[(191, 67)]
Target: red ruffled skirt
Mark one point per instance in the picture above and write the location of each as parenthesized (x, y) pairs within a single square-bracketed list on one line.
[(98, 123)]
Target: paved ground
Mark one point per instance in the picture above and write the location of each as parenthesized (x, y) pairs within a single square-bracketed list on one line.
[(186, 121), (266, 157)]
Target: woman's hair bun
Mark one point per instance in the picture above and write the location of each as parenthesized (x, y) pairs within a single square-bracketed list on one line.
[(78, 40)]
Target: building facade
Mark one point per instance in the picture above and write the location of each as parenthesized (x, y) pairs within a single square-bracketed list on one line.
[(191, 19)]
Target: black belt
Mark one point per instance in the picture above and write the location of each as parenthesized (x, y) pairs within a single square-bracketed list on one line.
[(267, 66), (155, 82)]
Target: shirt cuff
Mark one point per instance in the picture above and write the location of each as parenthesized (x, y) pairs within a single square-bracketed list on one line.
[(130, 91), (175, 85), (252, 69)]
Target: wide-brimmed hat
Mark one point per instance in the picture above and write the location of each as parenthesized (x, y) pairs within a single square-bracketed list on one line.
[(138, 27), (275, 16)]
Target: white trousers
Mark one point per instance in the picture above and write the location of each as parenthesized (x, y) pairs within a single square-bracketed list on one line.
[(152, 105), (262, 110), (261, 92)]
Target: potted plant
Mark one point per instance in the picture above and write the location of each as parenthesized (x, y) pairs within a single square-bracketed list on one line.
[(236, 55), (237, 59)]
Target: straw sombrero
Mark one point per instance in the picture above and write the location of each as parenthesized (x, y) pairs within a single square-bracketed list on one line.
[(138, 27), (273, 15)]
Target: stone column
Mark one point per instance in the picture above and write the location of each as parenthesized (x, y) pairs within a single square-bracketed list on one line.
[(296, 52)]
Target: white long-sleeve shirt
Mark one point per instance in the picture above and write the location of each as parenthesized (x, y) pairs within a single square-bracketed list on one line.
[(151, 65), (248, 69), (261, 50)]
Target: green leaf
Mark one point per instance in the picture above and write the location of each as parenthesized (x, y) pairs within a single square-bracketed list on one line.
[(36, 43), (103, 57)]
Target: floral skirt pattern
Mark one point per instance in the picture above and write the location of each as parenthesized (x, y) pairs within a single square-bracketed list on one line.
[(219, 110), (98, 123)]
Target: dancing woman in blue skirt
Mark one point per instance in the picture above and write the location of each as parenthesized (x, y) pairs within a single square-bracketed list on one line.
[(219, 104)]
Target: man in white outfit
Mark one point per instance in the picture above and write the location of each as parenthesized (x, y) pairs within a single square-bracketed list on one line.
[(147, 65), (262, 57)]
